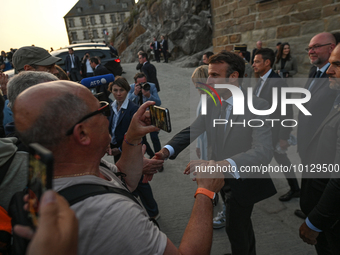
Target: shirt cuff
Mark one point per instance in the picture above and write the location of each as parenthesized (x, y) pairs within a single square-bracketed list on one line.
[(234, 168), (311, 226), (170, 149)]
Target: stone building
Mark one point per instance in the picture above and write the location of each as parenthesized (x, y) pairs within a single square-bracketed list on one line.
[(272, 21), (96, 20)]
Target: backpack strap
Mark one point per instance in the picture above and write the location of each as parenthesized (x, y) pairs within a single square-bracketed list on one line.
[(79, 192), (5, 167)]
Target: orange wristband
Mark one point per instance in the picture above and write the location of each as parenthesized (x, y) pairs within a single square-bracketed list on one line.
[(206, 192)]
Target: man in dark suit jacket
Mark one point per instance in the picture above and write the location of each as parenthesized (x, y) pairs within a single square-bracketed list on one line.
[(323, 149), (263, 61), (320, 104), (322, 97), (156, 47), (324, 218), (99, 69), (164, 44), (258, 46), (239, 148), (72, 66), (148, 69)]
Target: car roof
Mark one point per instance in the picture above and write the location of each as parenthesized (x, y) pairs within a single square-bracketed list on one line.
[(79, 49), (84, 45)]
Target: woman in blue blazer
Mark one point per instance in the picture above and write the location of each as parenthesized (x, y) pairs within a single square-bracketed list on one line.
[(122, 111)]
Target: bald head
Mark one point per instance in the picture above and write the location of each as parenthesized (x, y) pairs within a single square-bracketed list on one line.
[(259, 44), (44, 112), (320, 48), (325, 37)]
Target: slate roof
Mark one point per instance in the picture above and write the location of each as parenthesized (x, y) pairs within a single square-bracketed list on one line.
[(92, 7)]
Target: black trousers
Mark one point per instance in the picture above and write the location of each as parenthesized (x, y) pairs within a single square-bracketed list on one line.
[(282, 159), (328, 241), (156, 144), (157, 52), (75, 75), (145, 194), (165, 55), (239, 226)]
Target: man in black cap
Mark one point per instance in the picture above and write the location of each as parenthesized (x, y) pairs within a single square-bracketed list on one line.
[(32, 58)]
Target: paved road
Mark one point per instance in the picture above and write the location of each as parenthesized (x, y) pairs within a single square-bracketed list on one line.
[(276, 227)]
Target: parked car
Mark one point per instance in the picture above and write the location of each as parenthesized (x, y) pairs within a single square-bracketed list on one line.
[(85, 45), (111, 63)]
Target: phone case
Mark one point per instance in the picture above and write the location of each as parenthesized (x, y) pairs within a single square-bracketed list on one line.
[(160, 117)]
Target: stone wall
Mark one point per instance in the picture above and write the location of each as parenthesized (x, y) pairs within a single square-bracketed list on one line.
[(293, 21)]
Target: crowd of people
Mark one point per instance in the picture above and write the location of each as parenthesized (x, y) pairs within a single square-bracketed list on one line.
[(120, 215), (6, 60), (160, 48)]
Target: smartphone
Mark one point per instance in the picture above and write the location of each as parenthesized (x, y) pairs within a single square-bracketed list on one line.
[(160, 117), (39, 178)]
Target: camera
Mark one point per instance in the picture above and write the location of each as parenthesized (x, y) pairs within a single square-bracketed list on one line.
[(146, 86)]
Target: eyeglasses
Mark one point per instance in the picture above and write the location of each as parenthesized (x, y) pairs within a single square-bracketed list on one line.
[(104, 109), (316, 47)]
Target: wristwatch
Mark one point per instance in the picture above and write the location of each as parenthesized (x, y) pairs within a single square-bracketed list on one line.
[(212, 195)]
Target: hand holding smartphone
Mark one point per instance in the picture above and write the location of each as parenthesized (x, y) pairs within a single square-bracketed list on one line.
[(160, 117), (39, 178)]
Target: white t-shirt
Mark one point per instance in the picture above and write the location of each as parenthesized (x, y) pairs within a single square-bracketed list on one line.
[(112, 223)]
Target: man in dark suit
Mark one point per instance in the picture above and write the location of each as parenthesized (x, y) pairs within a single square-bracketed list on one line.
[(320, 104), (72, 66), (258, 46), (99, 69), (322, 97), (263, 61), (324, 218), (164, 45), (234, 146), (155, 46), (148, 69), (323, 150)]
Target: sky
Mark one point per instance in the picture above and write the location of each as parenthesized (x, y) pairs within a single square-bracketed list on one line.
[(38, 22)]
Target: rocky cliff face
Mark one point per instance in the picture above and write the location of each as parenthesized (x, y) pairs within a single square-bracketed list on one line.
[(185, 23)]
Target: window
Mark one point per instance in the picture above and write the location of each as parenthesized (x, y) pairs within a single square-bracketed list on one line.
[(124, 5), (102, 7), (86, 35), (122, 17), (80, 9), (97, 53), (102, 20), (71, 22), (74, 36), (113, 18), (93, 20), (83, 22), (95, 33)]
